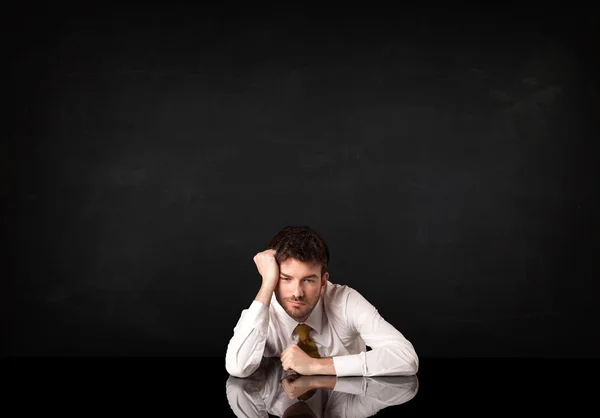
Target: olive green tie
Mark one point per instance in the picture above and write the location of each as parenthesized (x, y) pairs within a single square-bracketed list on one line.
[(305, 342)]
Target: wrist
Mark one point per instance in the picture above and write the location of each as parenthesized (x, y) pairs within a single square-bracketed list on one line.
[(269, 284), (265, 293), (323, 366), (323, 381)]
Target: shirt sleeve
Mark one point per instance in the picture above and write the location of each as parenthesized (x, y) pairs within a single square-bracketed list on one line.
[(246, 346), (366, 396), (256, 395), (391, 353), (245, 400)]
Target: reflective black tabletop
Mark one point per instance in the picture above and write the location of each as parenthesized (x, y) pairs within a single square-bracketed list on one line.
[(201, 386)]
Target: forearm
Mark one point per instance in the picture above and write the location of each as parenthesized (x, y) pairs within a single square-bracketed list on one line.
[(323, 366), (246, 346), (322, 382), (393, 360), (265, 293)]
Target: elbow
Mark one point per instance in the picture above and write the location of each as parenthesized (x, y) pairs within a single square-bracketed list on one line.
[(408, 367), (413, 363), (409, 361), (413, 366), (399, 361), (237, 371)]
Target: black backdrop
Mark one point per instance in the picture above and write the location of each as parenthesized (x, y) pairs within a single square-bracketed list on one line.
[(446, 156)]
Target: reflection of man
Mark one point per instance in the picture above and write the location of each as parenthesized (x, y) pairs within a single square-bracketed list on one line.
[(272, 390)]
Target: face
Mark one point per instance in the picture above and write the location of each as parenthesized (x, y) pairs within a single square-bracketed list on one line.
[(299, 287)]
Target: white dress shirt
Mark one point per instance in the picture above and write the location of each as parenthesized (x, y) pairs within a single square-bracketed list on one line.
[(262, 394), (344, 324)]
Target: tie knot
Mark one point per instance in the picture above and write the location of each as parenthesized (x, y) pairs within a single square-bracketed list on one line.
[(303, 331)]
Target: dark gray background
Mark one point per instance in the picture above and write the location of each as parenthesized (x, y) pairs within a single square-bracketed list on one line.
[(447, 156)]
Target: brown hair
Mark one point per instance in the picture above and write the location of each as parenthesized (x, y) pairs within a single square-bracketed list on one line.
[(301, 243)]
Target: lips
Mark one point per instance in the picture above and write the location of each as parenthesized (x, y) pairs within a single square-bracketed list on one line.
[(296, 303)]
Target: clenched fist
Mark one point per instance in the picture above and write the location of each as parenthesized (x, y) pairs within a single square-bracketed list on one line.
[(267, 267)]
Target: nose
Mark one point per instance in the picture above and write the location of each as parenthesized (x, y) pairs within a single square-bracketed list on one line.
[(298, 293)]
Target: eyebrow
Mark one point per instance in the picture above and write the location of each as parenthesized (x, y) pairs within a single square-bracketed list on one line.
[(312, 276)]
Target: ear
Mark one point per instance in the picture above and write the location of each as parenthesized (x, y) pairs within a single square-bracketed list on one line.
[(324, 281)]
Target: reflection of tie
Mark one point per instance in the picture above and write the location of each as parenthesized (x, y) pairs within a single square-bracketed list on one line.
[(306, 343), (299, 409)]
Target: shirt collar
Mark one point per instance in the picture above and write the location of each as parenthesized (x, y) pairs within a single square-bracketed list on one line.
[(314, 320)]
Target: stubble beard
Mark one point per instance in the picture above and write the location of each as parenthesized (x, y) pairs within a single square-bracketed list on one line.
[(299, 314)]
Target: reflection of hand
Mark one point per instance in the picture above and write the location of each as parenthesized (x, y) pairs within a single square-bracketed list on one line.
[(296, 385)]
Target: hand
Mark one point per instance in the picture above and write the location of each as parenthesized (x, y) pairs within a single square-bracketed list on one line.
[(296, 385), (296, 360), (267, 267)]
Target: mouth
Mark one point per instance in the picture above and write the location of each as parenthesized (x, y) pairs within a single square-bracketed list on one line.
[(296, 303)]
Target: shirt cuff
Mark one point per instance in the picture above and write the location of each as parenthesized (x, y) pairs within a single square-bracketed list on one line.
[(353, 385), (350, 365)]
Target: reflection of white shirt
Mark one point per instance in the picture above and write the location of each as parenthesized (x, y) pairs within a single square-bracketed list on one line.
[(262, 394), (344, 323)]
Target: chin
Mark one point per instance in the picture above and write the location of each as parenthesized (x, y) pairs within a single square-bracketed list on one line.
[(296, 314)]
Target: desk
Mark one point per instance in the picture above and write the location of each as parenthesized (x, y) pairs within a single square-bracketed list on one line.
[(201, 386)]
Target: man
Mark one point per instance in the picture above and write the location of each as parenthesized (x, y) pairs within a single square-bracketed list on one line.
[(337, 323)]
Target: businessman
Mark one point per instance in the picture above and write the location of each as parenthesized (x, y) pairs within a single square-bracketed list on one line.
[(314, 326)]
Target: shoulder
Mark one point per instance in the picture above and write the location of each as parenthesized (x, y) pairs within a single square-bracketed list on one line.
[(345, 307), (336, 290), (339, 295)]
